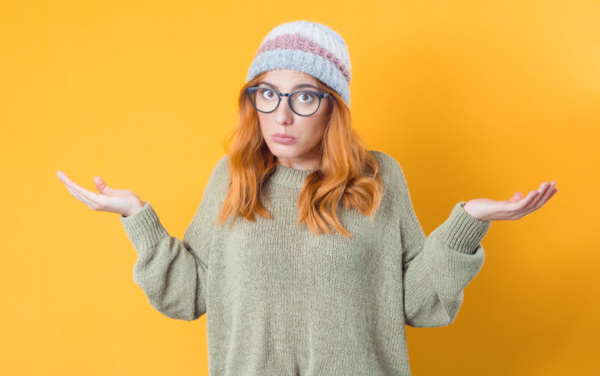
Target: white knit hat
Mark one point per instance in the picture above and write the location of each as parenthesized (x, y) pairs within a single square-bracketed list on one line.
[(307, 47)]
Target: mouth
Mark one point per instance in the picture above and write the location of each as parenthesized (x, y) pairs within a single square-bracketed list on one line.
[(281, 135), (283, 139)]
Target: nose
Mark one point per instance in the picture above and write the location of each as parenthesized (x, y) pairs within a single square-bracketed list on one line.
[(283, 113)]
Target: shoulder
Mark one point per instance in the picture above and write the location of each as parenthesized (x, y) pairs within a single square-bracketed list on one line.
[(222, 164), (221, 169), (383, 158), (388, 164), (219, 177), (391, 172)]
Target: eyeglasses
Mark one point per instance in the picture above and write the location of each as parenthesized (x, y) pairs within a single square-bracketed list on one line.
[(303, 103)]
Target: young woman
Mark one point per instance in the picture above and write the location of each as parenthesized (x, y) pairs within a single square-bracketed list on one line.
[(305, 251)]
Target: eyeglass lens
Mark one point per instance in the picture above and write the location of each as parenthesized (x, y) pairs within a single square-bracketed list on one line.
[(303, 102)]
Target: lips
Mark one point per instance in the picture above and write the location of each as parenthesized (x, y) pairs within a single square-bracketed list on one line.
[(283, 139), (283, 136)]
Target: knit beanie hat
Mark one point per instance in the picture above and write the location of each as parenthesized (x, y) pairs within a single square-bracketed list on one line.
[(307, 47)]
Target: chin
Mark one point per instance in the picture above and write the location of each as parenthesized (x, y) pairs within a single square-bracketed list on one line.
[(284, 151)]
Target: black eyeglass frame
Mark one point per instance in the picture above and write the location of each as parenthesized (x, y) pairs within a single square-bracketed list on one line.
[(251, 90)]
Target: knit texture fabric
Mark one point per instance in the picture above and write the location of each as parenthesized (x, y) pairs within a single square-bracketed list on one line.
[(281, 300), (308, 47)]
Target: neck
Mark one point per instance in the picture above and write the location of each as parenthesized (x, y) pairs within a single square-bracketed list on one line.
[(290, 177)]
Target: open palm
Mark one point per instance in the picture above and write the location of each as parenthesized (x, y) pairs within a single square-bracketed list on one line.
[(514, 208), (118, 201)]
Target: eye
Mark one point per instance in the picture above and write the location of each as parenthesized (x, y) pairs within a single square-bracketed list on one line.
[(305, 97), (267, 93)]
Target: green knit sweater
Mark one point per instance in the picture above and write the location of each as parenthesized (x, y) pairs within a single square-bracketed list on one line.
[(281, 300)]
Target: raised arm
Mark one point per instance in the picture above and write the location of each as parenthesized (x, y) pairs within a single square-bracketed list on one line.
[(438, 267), (172, 272)]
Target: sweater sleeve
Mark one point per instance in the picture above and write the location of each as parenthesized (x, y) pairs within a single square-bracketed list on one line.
[(172, 272), (438, 267)]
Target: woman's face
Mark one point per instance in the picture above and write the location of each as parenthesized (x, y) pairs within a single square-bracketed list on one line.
[(303, 152)]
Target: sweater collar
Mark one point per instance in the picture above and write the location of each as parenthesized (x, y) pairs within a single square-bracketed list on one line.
[(289, 177)]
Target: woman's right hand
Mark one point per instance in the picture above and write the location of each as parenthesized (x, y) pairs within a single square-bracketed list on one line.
[(110, 200)]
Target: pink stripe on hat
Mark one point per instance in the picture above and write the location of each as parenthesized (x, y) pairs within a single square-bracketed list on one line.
[(298, 42)]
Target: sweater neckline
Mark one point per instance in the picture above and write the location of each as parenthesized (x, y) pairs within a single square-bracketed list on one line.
[(290, 177)]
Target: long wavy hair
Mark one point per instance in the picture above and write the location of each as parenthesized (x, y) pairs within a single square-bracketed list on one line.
[(347, 171)]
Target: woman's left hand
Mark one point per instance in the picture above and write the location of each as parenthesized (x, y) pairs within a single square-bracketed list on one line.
[(515, 208)]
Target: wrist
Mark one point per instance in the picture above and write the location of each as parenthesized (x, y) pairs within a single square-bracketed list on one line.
[(135, 209), (467, 207)]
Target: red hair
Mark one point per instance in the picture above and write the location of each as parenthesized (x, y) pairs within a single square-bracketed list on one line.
[(347, 171)]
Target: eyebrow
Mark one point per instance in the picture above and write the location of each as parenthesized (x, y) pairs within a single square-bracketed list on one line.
[(294, 88)]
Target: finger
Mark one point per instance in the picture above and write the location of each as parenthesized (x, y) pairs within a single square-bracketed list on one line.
[(101, 186), (518, 196), (70, 183), (542, 197), (549, 192), (80, 197), (63, 177), (527, 201), (91, 197), (74, 189), (541, 191), (88, 198), (547, 188), (66, 180), (519, 207), (71, 188)]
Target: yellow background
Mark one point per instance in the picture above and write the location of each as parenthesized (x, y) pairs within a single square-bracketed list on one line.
[(473, 98)]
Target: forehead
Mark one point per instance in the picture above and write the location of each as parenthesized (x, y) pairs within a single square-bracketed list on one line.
[(285, 76)]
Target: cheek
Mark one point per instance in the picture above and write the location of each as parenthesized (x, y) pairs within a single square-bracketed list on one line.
[(261, 122), (314, 131)]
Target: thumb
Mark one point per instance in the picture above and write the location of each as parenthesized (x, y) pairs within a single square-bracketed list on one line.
[(516, 197), (101, 185)]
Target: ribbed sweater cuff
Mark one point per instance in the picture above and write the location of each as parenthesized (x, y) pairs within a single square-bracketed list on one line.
[(461, 231), (144, 228)]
